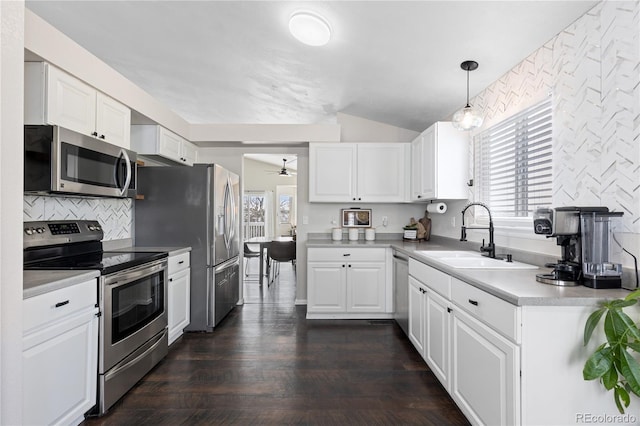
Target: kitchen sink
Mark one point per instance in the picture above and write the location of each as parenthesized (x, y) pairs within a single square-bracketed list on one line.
[(472, 260)]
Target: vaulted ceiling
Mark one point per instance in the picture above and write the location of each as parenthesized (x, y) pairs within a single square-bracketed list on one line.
[(396, 62)]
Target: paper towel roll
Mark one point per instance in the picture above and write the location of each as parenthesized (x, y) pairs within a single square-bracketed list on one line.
[(437, 208)]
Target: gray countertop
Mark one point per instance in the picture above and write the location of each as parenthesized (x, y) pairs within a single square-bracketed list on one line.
[(40, 282), (518, 287)]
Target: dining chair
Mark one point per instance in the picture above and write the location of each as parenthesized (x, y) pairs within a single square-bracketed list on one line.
[(248, 255), (281, 251)]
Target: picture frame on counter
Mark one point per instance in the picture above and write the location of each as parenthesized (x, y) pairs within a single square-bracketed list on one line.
[(356, 218)]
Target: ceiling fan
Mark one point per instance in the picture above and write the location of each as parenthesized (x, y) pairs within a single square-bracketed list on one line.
[(283, 171)]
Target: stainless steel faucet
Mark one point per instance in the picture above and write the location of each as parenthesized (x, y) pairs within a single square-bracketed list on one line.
[(489, 250)]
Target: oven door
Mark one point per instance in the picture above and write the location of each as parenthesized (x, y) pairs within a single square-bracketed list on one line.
[(85, 165), (134, 310)]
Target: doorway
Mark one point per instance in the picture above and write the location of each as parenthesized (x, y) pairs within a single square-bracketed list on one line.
[(269, 211)]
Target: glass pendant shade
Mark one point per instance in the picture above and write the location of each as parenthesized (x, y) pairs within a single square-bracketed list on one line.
[(467, 118)]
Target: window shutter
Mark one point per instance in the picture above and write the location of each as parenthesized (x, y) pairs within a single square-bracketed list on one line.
[(513, 162)]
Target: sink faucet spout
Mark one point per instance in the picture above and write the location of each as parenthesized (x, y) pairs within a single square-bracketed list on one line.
[(490, 249)]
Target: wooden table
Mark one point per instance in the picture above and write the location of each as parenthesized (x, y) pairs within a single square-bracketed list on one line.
[(264, 243)]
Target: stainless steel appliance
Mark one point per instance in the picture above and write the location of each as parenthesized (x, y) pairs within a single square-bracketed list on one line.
[(58, 160), (586, 237), (196, 207), (132, 299), (401, 290), (601, 250)]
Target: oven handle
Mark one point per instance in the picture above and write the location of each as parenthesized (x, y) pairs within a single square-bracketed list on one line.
[(121, 278)]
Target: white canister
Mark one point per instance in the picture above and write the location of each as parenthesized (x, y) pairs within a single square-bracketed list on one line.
[(370, 234), (353, 234), (336, 234)]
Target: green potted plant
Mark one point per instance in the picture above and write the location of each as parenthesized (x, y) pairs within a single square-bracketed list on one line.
[(615, 362)]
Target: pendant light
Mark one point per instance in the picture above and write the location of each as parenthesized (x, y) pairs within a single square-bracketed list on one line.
[(467, 118)]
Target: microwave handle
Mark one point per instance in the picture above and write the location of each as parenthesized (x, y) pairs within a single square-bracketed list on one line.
[(127, 181)]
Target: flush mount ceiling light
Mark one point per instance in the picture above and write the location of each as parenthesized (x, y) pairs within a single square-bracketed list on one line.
[(467, 118), (310, 28)]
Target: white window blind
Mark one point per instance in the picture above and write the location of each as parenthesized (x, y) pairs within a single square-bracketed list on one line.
[(513, 162)]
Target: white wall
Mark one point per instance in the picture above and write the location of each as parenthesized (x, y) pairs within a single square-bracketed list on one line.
[(11, 188), (591, 70)]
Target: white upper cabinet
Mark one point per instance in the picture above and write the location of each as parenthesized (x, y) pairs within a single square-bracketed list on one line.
[(363, 172), (160, 144), (439, 164), (55, 97), (113, 121)]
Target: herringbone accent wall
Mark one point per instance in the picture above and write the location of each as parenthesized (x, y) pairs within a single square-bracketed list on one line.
[(592, 71)]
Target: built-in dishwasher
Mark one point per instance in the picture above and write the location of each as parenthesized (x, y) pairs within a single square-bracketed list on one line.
[(401, 290)]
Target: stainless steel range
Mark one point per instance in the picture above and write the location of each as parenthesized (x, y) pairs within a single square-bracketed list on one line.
[(132, 298)]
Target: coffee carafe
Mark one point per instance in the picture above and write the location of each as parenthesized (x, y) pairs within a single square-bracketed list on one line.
[(601, 249)]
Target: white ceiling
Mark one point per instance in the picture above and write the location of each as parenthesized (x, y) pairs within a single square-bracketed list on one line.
[(274, 161), (396, 62)]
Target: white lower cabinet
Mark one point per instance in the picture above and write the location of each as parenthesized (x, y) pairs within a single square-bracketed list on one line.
[(179, 297), (60, 355), (484, 372), (451, 324), (417, 303), (348, 283), (437, 332)]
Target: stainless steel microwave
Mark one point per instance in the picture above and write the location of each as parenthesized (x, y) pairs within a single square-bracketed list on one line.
[(58, 160)]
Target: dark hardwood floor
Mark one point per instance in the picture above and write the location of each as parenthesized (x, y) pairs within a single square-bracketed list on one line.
[(266, 364)]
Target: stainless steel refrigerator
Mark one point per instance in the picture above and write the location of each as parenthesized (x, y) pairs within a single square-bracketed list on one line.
[(198, 207)]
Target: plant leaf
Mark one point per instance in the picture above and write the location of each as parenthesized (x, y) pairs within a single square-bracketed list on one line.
[(634, 345), (610, 378), (621, 303), (591, 324), (598, 364), (633, 295), (630, 327), (614, 327), (630, 369), (621, 396)]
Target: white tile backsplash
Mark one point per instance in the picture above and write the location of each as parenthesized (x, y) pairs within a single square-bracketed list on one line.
[(114, 214)]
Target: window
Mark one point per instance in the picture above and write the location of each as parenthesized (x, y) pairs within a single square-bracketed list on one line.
[(254, 215), (513, 163), (285, 209)]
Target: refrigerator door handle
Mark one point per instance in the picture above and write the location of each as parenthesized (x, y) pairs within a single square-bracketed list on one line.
[(226, 218), (226, 265)]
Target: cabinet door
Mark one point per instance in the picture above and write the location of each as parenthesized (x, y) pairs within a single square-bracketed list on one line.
[(366, 287), (416, 314), (60, 365), (179, 298), (332, 172), (429, 164), (416, 168), (326, 287), (189, 153), (113, 121), (437, 331), (484, 372), (70, 102), (382, 172), (169, 145)]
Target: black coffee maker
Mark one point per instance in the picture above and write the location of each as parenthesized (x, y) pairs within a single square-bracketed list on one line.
[(564, 223)]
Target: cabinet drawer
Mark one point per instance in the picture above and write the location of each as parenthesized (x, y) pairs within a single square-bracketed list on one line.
[(340, 254), (502, 316), (178, 263), (433, 278), (49, 307)]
